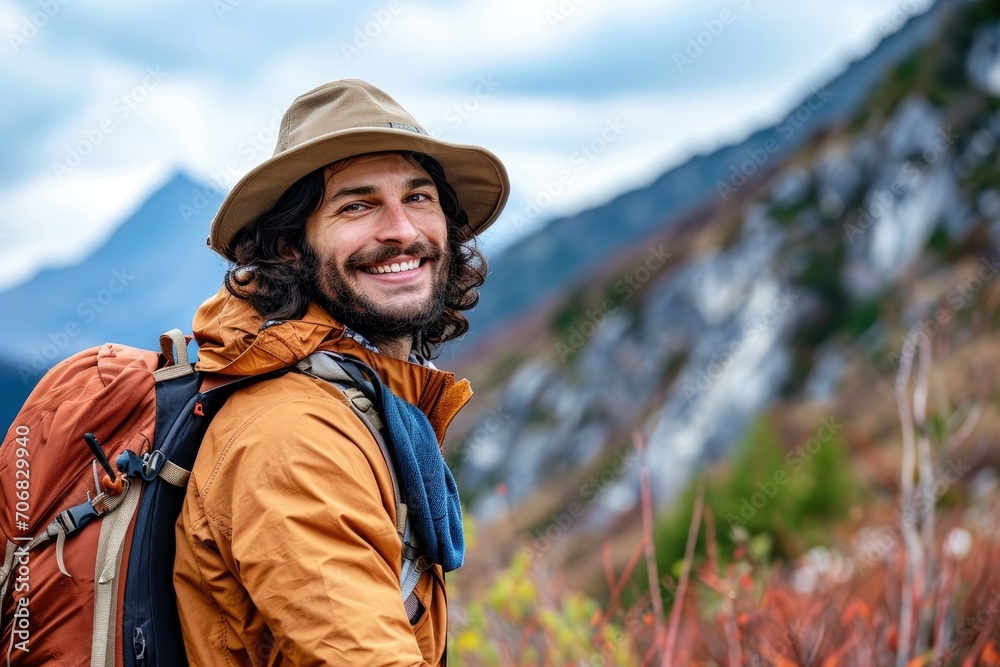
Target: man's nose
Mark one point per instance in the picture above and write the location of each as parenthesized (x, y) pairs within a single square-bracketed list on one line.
[(396, 226)]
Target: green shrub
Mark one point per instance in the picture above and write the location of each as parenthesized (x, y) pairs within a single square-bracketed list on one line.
[(785, 494)]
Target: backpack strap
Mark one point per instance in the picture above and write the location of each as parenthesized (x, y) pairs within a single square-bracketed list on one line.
[(110, 546), (345, 374), (178, 363), (413, 565)]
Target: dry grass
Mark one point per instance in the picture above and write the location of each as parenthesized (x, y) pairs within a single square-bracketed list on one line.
[(920, 587)]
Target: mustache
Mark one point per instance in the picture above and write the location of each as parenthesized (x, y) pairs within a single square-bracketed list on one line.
[(385, 253)]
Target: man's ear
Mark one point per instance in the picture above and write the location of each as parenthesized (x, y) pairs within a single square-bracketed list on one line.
[(288, 252)]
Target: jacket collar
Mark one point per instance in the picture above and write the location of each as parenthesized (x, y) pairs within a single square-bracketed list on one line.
[(234, 340)]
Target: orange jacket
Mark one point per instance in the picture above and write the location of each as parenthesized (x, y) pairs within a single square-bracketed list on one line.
[(287, 550)]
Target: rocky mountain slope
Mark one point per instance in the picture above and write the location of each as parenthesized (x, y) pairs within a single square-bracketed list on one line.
[(803, 267), (566, 250)]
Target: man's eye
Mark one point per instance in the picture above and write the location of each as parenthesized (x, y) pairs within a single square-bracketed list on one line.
[(418, 196), (352, 208)]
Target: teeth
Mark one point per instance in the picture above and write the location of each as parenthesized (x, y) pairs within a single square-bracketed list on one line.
[(395, 267)]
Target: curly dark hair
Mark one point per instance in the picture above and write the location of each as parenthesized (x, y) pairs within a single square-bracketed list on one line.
[(274, 269)]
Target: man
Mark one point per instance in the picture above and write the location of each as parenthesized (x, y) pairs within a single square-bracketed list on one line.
[(356, 237)]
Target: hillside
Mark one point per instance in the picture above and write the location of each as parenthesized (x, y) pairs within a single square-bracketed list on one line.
[(803, 367), (775, 292)]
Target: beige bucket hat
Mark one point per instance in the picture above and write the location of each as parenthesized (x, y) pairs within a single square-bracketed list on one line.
[(347, 118)]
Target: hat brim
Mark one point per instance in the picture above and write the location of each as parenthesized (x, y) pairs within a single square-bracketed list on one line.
[(477, 175)]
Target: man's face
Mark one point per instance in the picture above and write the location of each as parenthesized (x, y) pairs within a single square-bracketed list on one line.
[(377, 244)]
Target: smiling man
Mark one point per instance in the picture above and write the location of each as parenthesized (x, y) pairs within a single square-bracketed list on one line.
[(397, 287), (356, 238)]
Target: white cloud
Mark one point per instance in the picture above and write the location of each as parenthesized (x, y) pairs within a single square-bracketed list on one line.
[(64, 222), (10, 19)]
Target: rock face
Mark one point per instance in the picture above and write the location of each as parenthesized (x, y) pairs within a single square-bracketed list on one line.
[(722, 319), (911, 190), (714, 336), (983, 64)]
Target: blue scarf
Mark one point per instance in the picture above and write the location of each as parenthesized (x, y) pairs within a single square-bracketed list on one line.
[(426, 482)]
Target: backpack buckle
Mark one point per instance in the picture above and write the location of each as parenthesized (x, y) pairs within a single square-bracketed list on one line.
[(151, 464), (147, 466)]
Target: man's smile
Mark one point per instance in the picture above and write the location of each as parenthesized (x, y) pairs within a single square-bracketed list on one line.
[(396, 266)]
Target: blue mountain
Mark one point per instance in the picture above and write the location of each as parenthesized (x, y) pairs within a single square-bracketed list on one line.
[(150, 276)]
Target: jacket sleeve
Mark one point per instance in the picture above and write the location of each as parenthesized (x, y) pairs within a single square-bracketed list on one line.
[(313, 541)]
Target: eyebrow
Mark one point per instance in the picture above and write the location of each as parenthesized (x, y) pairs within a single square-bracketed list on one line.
[(419, 182), (352, 192), (361, 190)]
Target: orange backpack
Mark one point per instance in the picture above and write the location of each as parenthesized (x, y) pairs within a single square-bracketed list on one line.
[(104, 595), (83, 591)]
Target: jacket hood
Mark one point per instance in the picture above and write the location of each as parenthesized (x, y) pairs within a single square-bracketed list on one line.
[(232, 340)]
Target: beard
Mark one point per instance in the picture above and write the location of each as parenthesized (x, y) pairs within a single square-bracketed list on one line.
[(335, 292)]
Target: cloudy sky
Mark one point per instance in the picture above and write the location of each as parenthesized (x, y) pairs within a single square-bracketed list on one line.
[(105, 100)]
